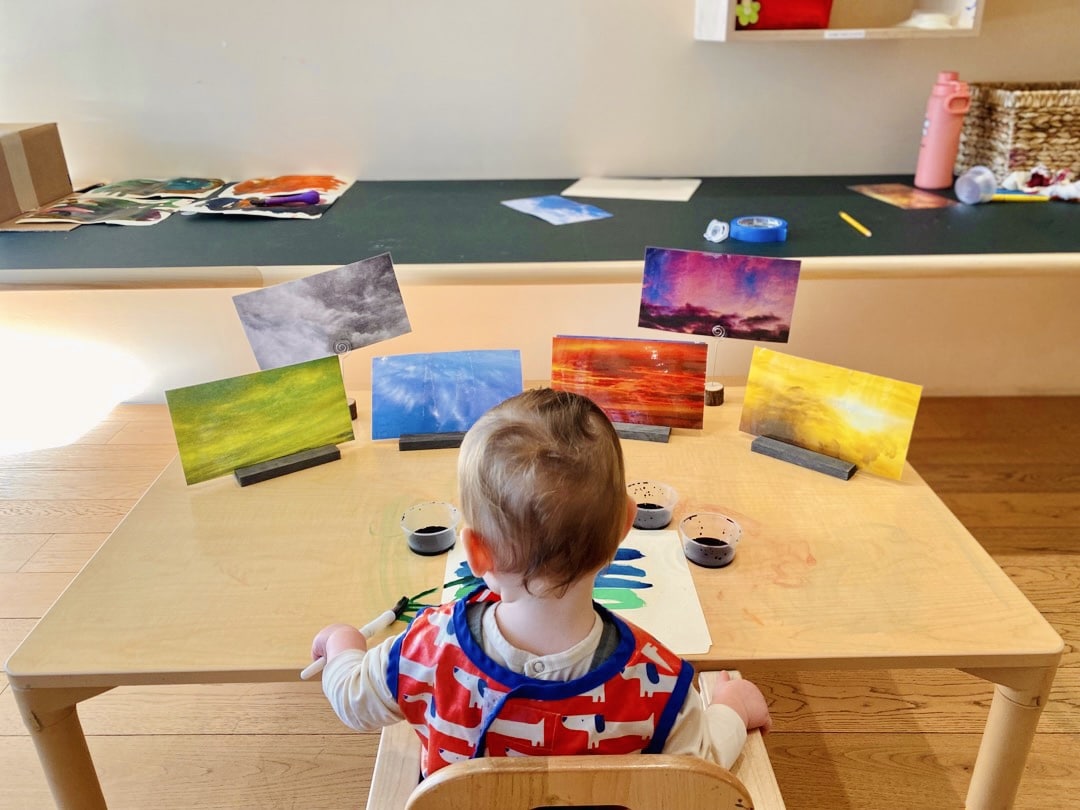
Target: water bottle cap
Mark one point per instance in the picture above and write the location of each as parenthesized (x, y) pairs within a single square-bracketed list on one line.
[(976, 185)]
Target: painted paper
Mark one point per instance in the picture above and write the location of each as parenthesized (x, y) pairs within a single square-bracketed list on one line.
[(268, 197), (723, 295), (439, 392), (903, 196), (668, 189), (146, 189), (648, 584), (327, 313), (85, 209), (557, 210), (851, 415), (244, 420), (326, 184), (636, 381)]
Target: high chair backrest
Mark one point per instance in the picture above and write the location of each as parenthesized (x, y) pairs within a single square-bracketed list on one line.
[(636, 781), (633, 781)]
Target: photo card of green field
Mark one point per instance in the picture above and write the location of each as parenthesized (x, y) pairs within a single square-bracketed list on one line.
[(244, 420)]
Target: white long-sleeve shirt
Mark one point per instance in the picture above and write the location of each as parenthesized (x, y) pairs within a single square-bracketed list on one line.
[(355, 684)]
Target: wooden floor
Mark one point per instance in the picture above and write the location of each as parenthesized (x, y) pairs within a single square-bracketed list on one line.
[(1009, 468)]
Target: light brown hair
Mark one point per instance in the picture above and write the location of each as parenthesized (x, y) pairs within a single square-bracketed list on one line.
[(541, 480)]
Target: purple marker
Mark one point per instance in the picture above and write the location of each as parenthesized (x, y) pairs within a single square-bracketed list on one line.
[(306, 197)]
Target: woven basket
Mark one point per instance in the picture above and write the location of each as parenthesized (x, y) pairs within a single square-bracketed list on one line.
[(1015, 127)]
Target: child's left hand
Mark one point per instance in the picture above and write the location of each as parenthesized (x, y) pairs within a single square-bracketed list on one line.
[(745, 698)]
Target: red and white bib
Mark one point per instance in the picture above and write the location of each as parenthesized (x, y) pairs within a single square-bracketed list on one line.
[(464, 705)]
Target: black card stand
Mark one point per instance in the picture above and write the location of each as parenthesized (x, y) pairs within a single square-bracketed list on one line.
[(644, 433), (819, 462), (291, 463), (430, 441)]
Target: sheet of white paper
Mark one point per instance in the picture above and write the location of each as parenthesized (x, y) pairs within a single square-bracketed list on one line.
[(666, 189), (651, 587)]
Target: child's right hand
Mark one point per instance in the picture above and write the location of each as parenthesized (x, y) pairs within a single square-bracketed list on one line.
[(745, 698), (334, 638)]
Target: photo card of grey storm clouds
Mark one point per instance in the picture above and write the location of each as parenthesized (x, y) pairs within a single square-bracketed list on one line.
[(327, 313)]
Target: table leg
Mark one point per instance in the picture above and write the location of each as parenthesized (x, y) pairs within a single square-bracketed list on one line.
[(51, 717), (1019, 698)]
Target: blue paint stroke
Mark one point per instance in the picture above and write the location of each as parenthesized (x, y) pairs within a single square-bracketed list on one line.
[(603, 581), (624, 570)]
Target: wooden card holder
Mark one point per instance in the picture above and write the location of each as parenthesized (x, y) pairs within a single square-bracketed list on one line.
[(430, 441), (645, 433), (254, 473), (819, 462)]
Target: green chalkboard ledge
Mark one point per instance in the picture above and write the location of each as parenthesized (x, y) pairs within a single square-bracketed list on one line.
[(458, 233), (1021, 265)]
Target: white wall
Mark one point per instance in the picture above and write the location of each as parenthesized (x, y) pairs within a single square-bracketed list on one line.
[(970, 336), (431, 89)]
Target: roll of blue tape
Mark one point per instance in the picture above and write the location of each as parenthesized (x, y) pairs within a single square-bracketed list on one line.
[(759, 229)]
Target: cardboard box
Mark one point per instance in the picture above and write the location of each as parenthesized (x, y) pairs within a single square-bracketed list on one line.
[(33, 169)]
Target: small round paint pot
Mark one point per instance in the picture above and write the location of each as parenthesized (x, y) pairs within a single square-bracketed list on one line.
[(655, 502), (709, 538), (431, 527)]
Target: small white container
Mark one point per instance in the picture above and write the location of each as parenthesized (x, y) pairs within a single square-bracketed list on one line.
[(709, 538), (431, 527), (655, 503)]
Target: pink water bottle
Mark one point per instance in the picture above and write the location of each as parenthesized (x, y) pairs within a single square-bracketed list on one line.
[(949, 102)]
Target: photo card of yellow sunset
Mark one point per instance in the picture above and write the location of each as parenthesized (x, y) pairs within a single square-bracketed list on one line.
[(851, 415)]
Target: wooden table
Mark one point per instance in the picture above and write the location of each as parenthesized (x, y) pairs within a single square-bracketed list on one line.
[(216, 583)]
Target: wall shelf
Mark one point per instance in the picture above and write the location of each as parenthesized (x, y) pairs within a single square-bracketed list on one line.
[(715, 21)]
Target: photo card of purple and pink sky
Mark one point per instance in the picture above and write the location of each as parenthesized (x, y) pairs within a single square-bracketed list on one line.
[(439, 392), (718, 294), (633, 380), (332, 312)]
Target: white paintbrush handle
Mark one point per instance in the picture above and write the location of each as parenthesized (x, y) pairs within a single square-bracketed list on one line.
[(383, 620)]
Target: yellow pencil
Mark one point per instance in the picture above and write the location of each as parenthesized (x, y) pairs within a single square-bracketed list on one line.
[(1020, 197), (854, 223)]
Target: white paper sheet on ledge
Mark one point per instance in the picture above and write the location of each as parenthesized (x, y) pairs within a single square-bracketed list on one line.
[(657, 575), (629, 188)]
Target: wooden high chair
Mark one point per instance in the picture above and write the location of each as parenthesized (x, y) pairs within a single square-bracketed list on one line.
[(634, 781)]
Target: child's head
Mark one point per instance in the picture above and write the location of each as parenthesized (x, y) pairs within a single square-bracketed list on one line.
[(541, 480)]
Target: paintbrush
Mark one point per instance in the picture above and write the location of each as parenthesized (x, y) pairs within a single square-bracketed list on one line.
[(304, 197), (380, 622), (408, 606)]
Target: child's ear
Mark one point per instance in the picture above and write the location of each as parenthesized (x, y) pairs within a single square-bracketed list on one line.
[(631, 515), (477, 553)]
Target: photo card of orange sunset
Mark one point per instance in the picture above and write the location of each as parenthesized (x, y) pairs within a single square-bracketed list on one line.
[(718, 294), (634, 381)]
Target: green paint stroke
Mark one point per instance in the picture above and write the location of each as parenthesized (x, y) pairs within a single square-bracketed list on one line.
[(618, 598), (244, 420)]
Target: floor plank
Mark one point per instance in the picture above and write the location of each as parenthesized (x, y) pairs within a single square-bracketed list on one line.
[(226, 772), (874, 770), (28, 596), (113, 484), (63, 516), (64, 553), (17, 549)]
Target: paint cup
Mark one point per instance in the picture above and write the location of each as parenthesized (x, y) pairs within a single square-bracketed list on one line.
[(431, 527), (655, 503), (709, 538), (976, 185)]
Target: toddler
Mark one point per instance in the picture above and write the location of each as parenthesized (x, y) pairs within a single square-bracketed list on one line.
[(528, 664)]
